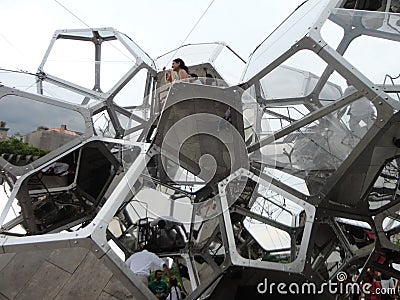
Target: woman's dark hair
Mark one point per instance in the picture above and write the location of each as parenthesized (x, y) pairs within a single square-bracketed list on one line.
[(181, 64)]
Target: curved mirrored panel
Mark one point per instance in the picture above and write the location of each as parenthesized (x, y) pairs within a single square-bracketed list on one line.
[(286, 35), (32, 129)]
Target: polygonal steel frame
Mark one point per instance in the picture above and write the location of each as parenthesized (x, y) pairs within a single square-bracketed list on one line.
[(296, 266), (18, 171), (93, 236)]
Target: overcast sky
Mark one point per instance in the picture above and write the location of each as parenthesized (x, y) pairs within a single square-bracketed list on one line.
[(157, 26)]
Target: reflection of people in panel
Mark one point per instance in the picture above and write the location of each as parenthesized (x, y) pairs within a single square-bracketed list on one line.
[(168, 76), (361, 112), (57, 168)]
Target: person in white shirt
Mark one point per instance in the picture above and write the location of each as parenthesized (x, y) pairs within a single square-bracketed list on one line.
[(361, 112), (141, 263), (194, 78), (57, 168)]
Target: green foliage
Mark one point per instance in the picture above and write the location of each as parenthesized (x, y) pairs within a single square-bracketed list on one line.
[(15, 146), (273, 258)]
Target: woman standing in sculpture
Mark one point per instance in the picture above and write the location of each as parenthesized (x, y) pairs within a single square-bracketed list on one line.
[(178, 66)]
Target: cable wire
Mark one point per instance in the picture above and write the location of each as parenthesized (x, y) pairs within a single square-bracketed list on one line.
[(79, 19), (190, 32)]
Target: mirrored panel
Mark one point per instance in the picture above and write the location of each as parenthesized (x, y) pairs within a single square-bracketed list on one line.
[(316, 151), (286, 35), (65, 193), (386, 187), (267, 226), (32, 129)]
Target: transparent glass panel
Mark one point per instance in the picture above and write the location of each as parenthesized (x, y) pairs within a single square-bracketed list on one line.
[(332, 34), (275, 207), (297, 77), (141, 112), (21, 81), (286, 35), (126, 122), (229, 66), (386, 25), (294, 180), (333, 88), (133, 137), (270, 238), (329, 92), (36, 128), (278, 117), (161, 223), (132, 94), (137, 50), (391, 222), (115, 62), (191, 54), (73, 61), (102, 125), (64, 94), (284, 82), (374, 66)]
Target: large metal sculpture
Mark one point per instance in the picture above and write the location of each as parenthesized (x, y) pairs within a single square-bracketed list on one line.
[(211, 174)]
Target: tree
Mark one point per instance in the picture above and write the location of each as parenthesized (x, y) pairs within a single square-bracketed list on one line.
[(15, 146), (2, 124)]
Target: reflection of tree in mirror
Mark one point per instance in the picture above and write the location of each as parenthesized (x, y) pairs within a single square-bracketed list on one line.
[(3, 130), (15, 146)]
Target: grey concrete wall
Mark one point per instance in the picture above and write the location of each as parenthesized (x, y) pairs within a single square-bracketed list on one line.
[(73, 273)]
